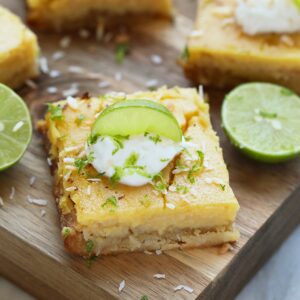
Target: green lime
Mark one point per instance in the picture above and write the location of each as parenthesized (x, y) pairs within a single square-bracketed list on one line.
[(263, 121), (15, 127), (297, 3), (132, 117)]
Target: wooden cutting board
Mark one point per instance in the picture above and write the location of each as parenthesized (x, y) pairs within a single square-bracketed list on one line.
[(31, 252)]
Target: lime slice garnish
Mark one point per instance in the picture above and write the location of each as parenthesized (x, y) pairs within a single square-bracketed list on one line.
[(15, 127), (263, 121), (133, 117), (297, 3)]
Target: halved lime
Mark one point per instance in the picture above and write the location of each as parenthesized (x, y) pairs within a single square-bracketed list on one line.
[(133, 117), (263, 121), (15, 127), (297, 3)]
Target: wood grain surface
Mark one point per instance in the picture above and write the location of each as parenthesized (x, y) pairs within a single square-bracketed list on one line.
[(31, 252)]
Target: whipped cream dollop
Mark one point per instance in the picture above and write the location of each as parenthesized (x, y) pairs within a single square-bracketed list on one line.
[(268, 16), (133, 160)]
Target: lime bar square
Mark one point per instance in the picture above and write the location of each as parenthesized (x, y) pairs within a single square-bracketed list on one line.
[(57, 15), (18, 50), (198, 209), (220, 54)]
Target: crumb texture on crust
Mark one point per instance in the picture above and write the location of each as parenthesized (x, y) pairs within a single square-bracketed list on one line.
[(195, 202), (56, 14), (18, 51)]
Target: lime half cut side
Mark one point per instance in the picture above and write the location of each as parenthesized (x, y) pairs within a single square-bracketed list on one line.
[(133, 117), (15, 127), (263, 121)]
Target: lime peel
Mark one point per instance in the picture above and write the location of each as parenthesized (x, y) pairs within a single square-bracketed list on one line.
[(15, 127), (133, 117), (263, 121)]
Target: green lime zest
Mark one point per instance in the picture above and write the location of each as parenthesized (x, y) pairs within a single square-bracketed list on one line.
[(89, 246), (55, 111), (110, 201), (81, 163), (122, 49), (196, 167)]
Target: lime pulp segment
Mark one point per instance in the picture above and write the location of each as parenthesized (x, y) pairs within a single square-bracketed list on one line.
[(133, 117), (263, 121), (15, 127)]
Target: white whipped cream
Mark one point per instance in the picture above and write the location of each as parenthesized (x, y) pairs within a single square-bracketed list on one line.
[(137, 159), (268, 16)]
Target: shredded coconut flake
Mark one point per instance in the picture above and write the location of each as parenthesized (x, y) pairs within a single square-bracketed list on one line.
[(159, 276), (104, 84), (72, 91), (58, 55), (73, 148), (65, 42), (152, 83), (170, 206), (148, 252), (52, 90), (207, 166), (12, 193), (72, 102), (67, 176), (75, 69), (201, 93), (18, 126), (81, 154), (158, 252), (43, 213), (54, 73), (156, 59), (276, 124), (121, 286), (183, 287), (178, 171), (71, 189), (31, 84), (44, 65), (113, 94), (39, 202), (119, 76), (88, 190), (49, 161), (1, 202), (197, 33), (70, 167), (69, 160), (32, 180), (94, 179)]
